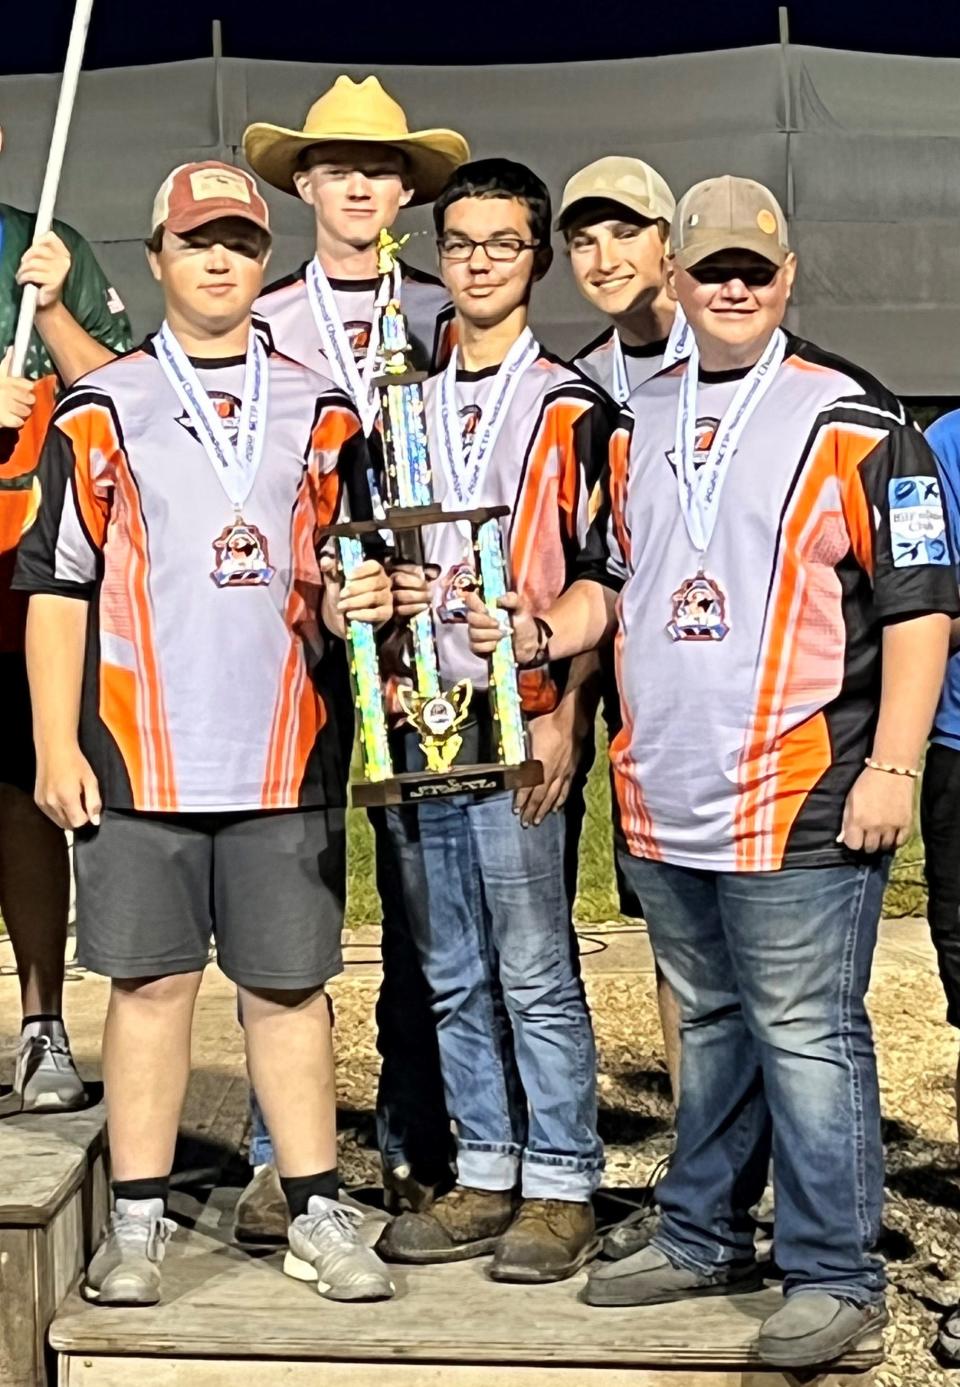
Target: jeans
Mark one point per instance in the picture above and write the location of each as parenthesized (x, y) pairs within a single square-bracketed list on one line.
[(516, 1043), (413, 1128), (770, 970)]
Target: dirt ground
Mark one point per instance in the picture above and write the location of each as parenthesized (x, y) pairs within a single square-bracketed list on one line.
[(917, 1055)]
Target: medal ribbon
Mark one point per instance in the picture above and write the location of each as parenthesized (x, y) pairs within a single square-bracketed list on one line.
[(356, 381), (236, 467), (676, 349), (465, 485), (699, 492)]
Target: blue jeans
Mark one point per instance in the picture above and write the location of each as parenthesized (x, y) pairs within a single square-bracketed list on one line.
[(516, 1043), (413, 1128), (770, 970)]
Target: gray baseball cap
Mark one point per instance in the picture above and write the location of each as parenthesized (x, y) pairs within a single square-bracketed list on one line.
[(615, 178), (728, 213)]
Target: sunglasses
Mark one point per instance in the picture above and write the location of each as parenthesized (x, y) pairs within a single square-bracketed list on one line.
[(753, 276)]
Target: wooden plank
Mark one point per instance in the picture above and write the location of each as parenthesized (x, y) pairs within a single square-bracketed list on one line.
[(43, 1160), (219, 1302), (171, 1372), (21, 1342)]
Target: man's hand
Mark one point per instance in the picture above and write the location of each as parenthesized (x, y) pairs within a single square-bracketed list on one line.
[(411, 589), (16, 396), (878, 814), (67, 789), (555, 743), (46, 264), (486, 632), (367, 596)]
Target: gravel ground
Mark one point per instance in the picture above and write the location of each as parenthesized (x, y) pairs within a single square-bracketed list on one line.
[(918, 1060)]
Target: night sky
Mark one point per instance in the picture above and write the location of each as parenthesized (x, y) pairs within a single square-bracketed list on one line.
[(33, 38)]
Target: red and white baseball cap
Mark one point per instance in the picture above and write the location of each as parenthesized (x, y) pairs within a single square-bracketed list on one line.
[(195, 194)]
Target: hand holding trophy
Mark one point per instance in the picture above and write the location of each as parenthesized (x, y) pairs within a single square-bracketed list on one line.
[(406, 509)]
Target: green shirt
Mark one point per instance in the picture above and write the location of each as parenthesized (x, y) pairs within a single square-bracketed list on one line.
[(87, 295)]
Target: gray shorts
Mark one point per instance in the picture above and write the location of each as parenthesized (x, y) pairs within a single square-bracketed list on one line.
[(268, 887)]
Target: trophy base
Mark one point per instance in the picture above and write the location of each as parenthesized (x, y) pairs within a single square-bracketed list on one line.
[(418, 787)]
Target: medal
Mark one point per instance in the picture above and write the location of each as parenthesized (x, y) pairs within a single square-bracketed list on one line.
[(240, 550), (465, 468), (457, 582), (355, 380), (676, 349), (699, 606)]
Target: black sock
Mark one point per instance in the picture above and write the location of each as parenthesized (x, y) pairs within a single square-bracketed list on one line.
[(41, 1016), (158, 1187), (300, 1189)]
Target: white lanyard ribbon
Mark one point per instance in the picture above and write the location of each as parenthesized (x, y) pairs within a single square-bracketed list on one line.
[(236, 466), (356, 381), (466, 475), (678, 346), (699, 489)]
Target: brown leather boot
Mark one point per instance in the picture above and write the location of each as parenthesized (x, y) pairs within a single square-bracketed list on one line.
[(549, 1240), (261, 1215), (464, 1223)]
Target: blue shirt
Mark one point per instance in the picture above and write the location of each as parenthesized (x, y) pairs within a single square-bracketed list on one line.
[(944, 438)]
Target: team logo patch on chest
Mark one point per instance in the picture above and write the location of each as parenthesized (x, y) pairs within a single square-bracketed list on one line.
[(469, 423), (918, 532), (227, 407), (358, 336), (703, 442)]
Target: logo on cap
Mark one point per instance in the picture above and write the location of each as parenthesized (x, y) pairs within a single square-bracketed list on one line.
[(766, 221), (219, 183)]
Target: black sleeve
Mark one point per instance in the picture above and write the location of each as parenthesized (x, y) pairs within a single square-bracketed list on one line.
[(59, 554), (912, 564), (603, 558)]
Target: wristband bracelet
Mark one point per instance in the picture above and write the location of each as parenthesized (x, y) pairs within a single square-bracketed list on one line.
[(891, 770), (542, 656)]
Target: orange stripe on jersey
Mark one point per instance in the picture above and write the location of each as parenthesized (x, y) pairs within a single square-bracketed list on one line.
[(635, 818), (854, 443), (333, 428), (550, 488), (91, 432), (146, 716), (772, 765), (619, 455)]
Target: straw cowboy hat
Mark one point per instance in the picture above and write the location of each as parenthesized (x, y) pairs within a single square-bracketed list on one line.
[(362, 113)]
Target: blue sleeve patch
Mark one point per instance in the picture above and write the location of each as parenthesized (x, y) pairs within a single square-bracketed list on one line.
[(918, 531)]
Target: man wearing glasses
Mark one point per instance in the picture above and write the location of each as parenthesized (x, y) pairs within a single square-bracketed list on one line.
[(508, 425), (773, 548)]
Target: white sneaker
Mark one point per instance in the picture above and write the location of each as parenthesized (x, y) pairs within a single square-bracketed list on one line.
[(326, 1247), (46, 1077), (125, 1269)]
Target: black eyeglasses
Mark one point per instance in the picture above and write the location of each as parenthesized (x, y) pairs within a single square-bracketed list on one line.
[(753, 276), (502, 248)]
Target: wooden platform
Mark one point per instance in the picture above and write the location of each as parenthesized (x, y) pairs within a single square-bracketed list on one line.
[(53, 1206), (448, 1327)]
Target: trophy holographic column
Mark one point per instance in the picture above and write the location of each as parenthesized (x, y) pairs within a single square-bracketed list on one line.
[(407, 507)]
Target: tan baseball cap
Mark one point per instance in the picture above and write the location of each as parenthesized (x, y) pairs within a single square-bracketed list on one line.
[(728, 213), (195, 194), (629, 182)]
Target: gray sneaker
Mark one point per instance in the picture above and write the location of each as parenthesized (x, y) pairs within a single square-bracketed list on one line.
[(326, 1247), (125, 1269), (46, 1077), (814, 1327), (648, 1277)]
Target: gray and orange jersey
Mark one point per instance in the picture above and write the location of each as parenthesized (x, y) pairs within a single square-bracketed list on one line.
[(283, 311), (545, 464), (737, 754), (596, 361), (197, 695)]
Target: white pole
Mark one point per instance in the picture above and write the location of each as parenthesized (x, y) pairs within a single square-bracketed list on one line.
[(51, 178)]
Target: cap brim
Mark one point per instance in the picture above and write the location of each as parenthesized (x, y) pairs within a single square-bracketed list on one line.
[(712, 242), (214, 212), (636, 205), (273, 153)]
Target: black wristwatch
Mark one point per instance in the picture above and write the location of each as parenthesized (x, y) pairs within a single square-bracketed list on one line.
[(542, 656)]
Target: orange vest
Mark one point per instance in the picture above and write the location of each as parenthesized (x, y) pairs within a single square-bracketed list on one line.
[(19, 499)]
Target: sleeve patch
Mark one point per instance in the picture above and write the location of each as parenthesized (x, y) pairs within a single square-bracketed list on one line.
[(918, 532)]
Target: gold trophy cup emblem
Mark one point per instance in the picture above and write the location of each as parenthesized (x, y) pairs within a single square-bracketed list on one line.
[(437, 717)]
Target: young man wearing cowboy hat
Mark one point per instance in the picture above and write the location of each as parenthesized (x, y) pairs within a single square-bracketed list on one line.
[(356, 163)]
